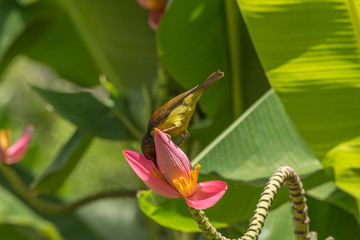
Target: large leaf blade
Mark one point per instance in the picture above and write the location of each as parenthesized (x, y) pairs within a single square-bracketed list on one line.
[(313, 64), (34, 30), (71, 52), (124, 52), (345, 163)]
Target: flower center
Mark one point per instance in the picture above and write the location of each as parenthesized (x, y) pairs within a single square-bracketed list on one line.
[(184, 187), (4, 143)]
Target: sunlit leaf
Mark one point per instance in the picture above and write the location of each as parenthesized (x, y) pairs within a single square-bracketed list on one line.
[(310, 52), (344, 159)]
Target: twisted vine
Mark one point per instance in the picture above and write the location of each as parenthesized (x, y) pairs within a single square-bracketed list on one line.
[(298, 204)]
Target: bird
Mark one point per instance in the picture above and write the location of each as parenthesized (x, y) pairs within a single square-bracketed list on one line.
[(174, 116)]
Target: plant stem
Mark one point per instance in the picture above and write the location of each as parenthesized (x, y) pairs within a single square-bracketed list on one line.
[(50, 207), (234, 39), (298, 203), (205, 226)]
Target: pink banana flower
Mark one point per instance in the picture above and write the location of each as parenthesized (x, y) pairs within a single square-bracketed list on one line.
[(14, 153), (174, 176), (156, 10)]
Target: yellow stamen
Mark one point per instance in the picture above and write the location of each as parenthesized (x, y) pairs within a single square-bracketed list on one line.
[(184, 187), (193, 176), (178, 185)]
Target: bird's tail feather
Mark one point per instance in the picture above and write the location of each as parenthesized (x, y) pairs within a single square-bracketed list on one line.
[(211, 79)]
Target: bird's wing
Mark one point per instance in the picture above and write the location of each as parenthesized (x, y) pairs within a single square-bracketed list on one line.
[(166, 109)]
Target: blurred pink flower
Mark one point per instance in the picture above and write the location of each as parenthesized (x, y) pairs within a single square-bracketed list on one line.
[(156, 9), (174, 176), (13, 154)]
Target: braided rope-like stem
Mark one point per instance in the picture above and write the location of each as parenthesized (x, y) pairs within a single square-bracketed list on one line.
[(298, 204), (204, 224)]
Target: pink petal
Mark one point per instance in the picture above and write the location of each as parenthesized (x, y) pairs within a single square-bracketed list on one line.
[(144, 168), (207, 194), (143, 3), (18, 149), (171, 160), (154, 18)]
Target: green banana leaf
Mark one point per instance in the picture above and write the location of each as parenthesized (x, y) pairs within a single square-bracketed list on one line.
[(310, 52), (119, 39), (333, 224), (35, 30), (344, 160)]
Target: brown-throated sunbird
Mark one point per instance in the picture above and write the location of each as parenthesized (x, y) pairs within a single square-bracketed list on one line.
[(174, 116)]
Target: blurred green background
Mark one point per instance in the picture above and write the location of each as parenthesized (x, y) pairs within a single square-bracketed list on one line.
[(88, 75)]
